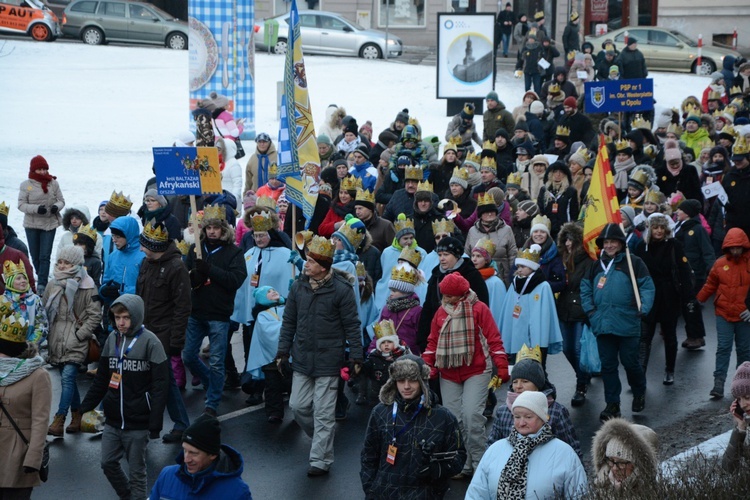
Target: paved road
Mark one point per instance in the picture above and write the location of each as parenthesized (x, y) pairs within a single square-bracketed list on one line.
[(276, 456)]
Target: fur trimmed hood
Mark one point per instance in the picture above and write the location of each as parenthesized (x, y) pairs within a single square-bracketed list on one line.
[(638, 441), (570, 231), (227, 231), (407, 367), (79, 211)]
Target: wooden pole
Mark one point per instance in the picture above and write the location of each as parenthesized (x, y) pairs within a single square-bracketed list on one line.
[(196, 227), (632, 273), (619, 119), (294, 234)]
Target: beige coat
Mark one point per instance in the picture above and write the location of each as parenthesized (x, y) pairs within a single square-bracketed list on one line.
[(251, 169), (28, 402), (505, 247), (69, 338), (31, 197)]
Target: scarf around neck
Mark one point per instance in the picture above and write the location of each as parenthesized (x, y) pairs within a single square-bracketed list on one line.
[(14, 369), (515, 475), (402, 303), (66, 283), (42, 179), (622, 171), (455, 345)]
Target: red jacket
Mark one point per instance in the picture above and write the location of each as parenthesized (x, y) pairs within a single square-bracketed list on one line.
[(729, 279), (484, 325)]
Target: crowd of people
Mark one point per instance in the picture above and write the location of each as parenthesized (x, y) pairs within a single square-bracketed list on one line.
[(424, 274)]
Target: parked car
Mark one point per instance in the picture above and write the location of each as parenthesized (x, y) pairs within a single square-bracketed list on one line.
[(331, 34), (96, 22), (29, 17), (667, 50)]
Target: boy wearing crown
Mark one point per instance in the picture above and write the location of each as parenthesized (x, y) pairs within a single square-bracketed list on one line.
[(425, 213), (87, 238), (18, 298), (463, 128), (388, 348), (488, 171), (274, 187), (380, 230)]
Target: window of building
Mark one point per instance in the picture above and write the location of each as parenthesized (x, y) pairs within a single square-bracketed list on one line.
[(401, 13)]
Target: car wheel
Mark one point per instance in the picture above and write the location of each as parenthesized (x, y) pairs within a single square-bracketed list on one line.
[(177, 41), (40, 32), (280, 47), (707, 67), (370, 51), (92, 36)]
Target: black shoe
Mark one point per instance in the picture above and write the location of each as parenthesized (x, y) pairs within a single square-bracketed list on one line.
[(275, 419), (341, 411), (232, 381), (315, 471), (174, 436), (254, 399), (579, 397), (210, 412), (668, 378), (639, 403), (488, 411), (718, 391), (611, 411), (361, 400)]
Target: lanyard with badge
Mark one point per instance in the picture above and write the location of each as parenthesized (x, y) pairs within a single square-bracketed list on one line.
[(517, 307), (603, 279), (114, 382), (392, 448)]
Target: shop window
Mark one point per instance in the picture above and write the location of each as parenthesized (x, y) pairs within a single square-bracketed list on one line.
[(401, 13)]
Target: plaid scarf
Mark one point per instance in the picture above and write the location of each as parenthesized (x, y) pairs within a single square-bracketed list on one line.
[(515, 475), (455, 345)]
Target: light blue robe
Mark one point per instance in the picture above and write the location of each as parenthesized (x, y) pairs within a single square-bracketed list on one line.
[(275, 272), (537, 323), (388, 260), (496, 288), (349, 267), (265, 342), (371, 315)]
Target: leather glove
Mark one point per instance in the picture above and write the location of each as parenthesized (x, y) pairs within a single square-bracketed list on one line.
[(53, 209), (41, 210), (204, 267), (283, 366), (153, 434), (196, 279), (745, 315), (110, 291), (430, 471), (29, 470), (281, 359), (175, 351)]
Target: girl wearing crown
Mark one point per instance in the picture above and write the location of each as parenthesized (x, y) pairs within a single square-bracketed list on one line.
[(558, 199), (494, 228), (388, 348), (21, 300), (624, 164), (402, 305), (342, 207)]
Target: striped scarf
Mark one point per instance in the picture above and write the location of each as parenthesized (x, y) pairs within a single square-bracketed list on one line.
[(455, 345)]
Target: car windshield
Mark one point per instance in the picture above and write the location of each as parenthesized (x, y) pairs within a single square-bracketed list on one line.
[(684, 38)]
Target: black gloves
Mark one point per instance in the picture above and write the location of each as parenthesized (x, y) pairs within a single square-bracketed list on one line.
[(41, 210), (110, 291), (199, 274), (203, 267), (355, 367), (153, 434), (431, 471), (29, 470), (53, 209)]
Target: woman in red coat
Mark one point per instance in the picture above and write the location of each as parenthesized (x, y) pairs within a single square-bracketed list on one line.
[(341, 208), (462, 357)]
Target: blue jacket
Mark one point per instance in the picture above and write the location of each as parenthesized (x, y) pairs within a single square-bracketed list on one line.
[(612, 308), (222, 480), (367, 173), (728, 71), (123, 266)]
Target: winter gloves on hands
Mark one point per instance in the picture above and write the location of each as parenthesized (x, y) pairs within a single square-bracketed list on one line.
[(199, 274)]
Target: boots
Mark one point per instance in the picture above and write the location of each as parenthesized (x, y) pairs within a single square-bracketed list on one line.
[(611, 411), (579, 397), (644, 352), (56, 428), (718, 391), (75, 422)]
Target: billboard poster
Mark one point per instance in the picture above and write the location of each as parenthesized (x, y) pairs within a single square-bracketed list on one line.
[(186, 171), (465, 55)]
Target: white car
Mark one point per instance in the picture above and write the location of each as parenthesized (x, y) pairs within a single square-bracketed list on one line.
[(331, 34)]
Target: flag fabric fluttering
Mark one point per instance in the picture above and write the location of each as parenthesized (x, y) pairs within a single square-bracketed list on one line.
[(299, 160), (601, 204)]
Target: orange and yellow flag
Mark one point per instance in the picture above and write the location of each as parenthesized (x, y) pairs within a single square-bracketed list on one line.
[(601, 205)]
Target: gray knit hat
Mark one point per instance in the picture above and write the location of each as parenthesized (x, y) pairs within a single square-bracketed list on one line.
[(72, 254), (152, 193), (530, 370)]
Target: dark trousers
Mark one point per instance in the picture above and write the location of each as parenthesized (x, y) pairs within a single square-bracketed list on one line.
[(535, 79), (40, 249), (691, 311), (276, 384), (665, 313), (15, 493), (610, 347)]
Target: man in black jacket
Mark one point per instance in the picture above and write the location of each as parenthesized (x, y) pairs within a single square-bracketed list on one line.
[(571, 37), (215, 278), (504, 25), (737, 183), (631, 61), (164, 285)]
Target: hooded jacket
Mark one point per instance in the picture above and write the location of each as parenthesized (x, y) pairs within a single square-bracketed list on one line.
[(231, 176), (495, 119), (569, 300), (640, 441), (138, 404), (122, 266), (222, 479), (729, 278), (256, 170)]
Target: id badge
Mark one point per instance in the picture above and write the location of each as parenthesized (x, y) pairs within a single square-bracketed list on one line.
[(391, 455), (602, 280), (517, 311), (114, 382), (709, 179), (554, 208), (254, 280)]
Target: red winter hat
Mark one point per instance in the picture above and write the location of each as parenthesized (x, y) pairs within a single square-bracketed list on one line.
[(38, 162), (454, 284), (570, 102)]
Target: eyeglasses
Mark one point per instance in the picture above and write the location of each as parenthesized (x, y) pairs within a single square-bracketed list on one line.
[(260, 236), (615, 464)]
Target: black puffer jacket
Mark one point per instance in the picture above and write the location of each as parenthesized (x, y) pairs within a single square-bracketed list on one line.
[(318, 324), (569, 301)]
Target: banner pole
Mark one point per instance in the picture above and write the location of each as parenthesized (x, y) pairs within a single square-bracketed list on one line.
[(632, 273), (196, 227), (294, 233)]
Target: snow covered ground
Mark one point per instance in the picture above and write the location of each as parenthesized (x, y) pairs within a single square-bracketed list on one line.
[(95, 112)]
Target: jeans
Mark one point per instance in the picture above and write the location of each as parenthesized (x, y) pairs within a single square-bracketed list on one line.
[(40, 249), (316, 419), (69, 396), (728, 332), (505, 38), (175, 405), (213, 377), (571, 334), (610, 346), (116, 444), (536, 79)]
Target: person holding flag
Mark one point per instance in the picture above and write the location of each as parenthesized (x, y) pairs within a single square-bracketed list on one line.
[(617, 293)]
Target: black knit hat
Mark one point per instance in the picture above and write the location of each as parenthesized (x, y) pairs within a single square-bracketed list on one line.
[(451, 245), (204, 434), (690, 207), (402, 116), (155, 237), (531, 370)]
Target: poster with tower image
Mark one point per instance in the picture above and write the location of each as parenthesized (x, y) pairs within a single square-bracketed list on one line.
[(465, 55)]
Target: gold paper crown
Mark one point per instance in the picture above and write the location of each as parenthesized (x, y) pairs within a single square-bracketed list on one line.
[(514, 178), (729, 112), (573, 16), (6, 306), (402, 222), (542, 219), (4, 209), (655, 196), (535, 354), (729, 129), (454, 141), (461, 173), (587, 155), (562, 131), (266, 202), (351, 234), (472, 158), (529, 254), (361, 271), (411, 255), (413, 121), (714, 96), (214, 212), (718, 113), (735, 90), (468, 109), (198, 216), (609, 47), (641, 177), (622, 144), (89, 231), (118, 200), (351, 183), (488, 163), (675, 129), (443, 226), (183, 246), (10, 268), (741, 147), (273, 170), (405, 273), (413, 173), (156, 234), (321, 246), (554, 88), (365, 195), (639, 122), (539, 15), (262, 222), (384, 328), (485, 199), (571, 55), (487, 245), (13, 328), (490, 145), (738, 103), (425, 187)]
